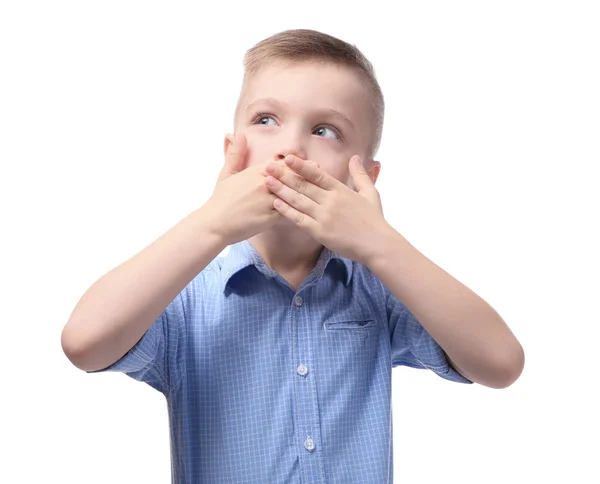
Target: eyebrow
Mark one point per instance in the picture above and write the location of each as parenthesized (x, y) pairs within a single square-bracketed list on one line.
[(278, 104)]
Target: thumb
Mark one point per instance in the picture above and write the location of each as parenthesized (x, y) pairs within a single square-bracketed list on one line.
[(236, 147), (360, 177)]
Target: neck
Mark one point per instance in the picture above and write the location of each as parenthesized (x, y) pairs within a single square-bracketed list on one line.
[(287, 249)]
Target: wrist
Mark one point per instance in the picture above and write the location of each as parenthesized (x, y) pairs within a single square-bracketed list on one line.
[(387, 243), (206, 224)]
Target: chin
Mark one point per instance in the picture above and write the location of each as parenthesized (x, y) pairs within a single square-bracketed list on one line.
[(286, 226), (285, 222)]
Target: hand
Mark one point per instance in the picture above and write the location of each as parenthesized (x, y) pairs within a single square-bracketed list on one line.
[(240, 206), (349, 222)]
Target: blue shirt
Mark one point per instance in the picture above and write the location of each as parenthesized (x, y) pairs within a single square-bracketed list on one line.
[(265, 384)]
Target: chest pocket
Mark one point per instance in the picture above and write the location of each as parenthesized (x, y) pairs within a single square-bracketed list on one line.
[(359, 325), (351, 341)]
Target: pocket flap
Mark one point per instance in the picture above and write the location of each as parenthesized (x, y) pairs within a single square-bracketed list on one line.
[(355, 324)]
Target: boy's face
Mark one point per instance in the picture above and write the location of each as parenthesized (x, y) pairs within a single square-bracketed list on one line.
[(319, 112)]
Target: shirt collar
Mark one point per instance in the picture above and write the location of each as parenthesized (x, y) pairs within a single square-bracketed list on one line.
[(243, 254)]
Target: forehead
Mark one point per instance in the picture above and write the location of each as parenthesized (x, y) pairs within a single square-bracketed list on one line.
[(310, 86)]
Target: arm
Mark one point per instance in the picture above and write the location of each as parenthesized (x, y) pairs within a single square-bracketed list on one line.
[(474, 337), (477, 342), (120, 307)]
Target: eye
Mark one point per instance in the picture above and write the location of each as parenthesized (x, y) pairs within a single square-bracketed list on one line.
[(324, 130), (264, 119)]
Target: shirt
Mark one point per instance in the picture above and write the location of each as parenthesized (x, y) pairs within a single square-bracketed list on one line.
[(267, 384)]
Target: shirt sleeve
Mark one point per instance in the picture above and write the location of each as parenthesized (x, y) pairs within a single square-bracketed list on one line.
[(158, 358), (413, 346)]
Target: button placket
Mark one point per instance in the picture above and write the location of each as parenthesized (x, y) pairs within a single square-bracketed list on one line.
[(308, 421)]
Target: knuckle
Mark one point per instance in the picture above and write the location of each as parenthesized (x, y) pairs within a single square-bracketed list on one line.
[(300, 184), (319, 177)]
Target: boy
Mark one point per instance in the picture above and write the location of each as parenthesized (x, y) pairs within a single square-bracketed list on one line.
[(276, 359)]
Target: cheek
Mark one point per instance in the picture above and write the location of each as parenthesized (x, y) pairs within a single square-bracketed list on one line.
[(336, 153), (259, 149), (338, 159), (337, 168)]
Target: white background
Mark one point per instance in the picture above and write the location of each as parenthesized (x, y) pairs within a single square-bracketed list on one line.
[(112, 117)]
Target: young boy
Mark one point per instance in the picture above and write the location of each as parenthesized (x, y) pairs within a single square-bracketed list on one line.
[(276, 359)]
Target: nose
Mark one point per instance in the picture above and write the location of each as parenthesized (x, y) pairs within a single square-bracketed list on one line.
[(291, 145), (280, 155)]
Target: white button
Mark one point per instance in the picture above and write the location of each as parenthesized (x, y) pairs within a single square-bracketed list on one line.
[(309, 444), (298, 301), (302, 370)]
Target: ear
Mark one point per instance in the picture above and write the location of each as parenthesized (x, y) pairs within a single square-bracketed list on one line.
[(374, 167), (227, 143)]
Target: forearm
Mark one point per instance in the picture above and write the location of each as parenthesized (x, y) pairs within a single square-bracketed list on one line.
[(120, 307), (473, 335)]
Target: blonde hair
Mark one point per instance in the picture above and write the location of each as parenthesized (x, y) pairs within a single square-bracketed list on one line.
[(304, 45)]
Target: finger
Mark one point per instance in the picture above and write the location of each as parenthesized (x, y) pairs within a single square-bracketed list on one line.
[(236, 147), (312, 172), (360, 177), (300, 219), (292, 197), (297, 182)]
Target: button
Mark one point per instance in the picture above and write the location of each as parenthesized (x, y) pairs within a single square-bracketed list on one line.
[(302, 370), (298, 301), (309, 444)]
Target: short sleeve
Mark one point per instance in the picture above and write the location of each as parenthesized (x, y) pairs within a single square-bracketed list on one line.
[(158, 358), (413, 346)]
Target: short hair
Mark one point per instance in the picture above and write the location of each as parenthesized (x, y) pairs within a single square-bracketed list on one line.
[(305, 45)]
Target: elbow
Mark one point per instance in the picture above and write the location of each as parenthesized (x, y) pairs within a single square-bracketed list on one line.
[(67, 343), (70, 347), (508, 369), (74, 350)]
